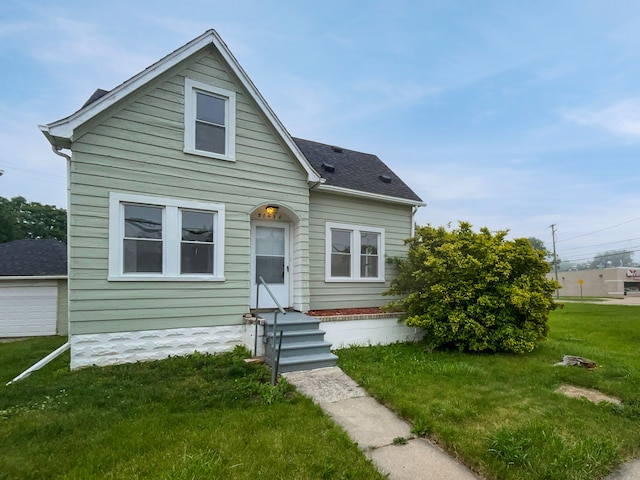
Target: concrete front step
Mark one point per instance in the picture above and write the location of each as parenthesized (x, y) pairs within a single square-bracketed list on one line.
[(291, 321), (304, 362), (296, 336), (297, 349)]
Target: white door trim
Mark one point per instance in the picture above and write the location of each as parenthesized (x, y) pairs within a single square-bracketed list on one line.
[(282, 292)]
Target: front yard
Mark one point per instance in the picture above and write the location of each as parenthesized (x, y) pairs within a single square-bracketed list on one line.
[(201, 417), (217, 417), (500, 413)]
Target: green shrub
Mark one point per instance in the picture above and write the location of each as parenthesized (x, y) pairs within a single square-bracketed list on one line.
[(474, 291)]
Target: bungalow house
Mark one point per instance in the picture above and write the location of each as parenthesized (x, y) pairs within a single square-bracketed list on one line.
[(185, 189)]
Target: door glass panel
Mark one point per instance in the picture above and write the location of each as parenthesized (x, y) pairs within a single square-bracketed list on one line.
[(271, 269), (270, 253), (270, 241)]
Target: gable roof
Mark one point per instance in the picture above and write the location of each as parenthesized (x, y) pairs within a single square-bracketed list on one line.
[(347, 171), (357, 173), (60, 132), (33, 257)]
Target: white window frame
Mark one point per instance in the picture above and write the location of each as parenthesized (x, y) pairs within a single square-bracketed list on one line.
[(191, 88), (171, 236), (355, 252)]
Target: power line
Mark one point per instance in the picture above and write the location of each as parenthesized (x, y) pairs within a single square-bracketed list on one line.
[(8, 168), (598, 231), (600, 244), (592, 257)]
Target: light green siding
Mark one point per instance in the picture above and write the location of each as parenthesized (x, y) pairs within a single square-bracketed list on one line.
[(328, 207), (137, 147)]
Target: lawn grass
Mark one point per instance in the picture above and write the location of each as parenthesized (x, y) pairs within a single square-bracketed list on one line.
[(499, 413), (196, 417)]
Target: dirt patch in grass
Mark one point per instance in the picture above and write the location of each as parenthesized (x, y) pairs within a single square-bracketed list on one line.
[(592, 395)]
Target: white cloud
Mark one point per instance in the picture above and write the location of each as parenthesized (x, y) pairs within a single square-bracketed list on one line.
[(621, 118), (10, 29), (80, 45)]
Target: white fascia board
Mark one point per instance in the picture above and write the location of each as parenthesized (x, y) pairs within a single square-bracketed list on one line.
[(370, 196), (33, 277), (65, 127)]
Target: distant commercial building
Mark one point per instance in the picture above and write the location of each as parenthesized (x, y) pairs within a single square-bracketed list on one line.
[(602, 282)]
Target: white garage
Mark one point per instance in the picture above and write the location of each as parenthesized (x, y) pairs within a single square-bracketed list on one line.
[(33, 288), (29, 308)]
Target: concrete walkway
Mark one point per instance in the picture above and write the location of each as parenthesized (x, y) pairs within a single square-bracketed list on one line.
[(374, 427), (629, 471)]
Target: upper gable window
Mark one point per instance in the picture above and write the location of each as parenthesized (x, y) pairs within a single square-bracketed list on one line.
[(209, 120)]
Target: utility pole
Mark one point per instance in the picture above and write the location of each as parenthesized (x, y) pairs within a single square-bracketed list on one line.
[(555, 257)]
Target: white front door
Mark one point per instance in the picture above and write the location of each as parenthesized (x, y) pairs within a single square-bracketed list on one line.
[(270, 260)]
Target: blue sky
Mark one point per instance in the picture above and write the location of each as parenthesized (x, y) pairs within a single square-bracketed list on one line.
[(509, 115)]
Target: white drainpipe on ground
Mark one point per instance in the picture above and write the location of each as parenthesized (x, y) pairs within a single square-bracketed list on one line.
[(37, 366)]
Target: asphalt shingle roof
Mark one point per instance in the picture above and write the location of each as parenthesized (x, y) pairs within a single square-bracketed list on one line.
[(97, 95), (359, 171), (33, 257)]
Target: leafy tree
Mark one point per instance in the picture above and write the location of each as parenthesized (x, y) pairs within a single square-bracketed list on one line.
[(474, 291), (613, 258), (538, 244), (21, 219), (7, 222)]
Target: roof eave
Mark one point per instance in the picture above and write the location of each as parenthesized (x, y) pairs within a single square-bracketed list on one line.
[(8, 278), (370, 196)]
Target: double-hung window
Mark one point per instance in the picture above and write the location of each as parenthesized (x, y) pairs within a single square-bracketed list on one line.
[(209, 120), (354, 253), (152, 238)]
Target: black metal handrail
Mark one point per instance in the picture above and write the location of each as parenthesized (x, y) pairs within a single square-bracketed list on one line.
[(274, 370)]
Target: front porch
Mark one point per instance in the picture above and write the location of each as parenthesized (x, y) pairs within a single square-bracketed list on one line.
[(307, 340)]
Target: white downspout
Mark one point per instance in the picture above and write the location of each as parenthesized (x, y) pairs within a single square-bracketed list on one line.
[(37, 366), (414, 209), (68, 159)]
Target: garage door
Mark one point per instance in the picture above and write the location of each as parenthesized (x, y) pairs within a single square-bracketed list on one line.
[(28, 309)]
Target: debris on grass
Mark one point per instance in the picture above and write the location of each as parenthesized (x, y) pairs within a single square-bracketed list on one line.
[(572, 360), (590, 394)]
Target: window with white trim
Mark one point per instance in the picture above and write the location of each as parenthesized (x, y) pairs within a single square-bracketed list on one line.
[(354, 253), (152, 238), (209, 120)]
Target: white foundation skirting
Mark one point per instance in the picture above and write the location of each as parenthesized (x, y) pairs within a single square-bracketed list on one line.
[(368, 331), (127, 347)]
